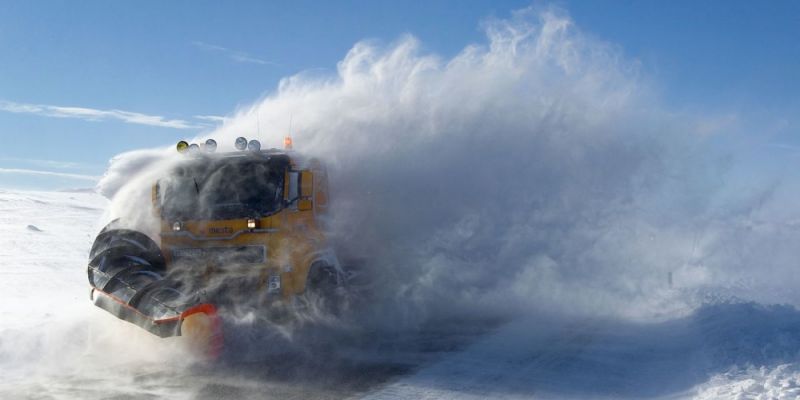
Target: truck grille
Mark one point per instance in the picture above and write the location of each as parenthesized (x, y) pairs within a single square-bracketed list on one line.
[(221, 255)]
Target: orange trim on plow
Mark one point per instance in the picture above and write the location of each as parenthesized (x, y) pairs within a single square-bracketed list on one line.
[(216, 341), (126, 305)]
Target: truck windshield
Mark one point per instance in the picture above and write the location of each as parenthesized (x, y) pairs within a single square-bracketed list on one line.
[(223, 188)]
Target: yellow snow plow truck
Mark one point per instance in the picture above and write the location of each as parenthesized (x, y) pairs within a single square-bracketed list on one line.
[(237, 227)]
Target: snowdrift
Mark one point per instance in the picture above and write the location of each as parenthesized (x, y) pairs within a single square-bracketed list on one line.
[(718, 351)]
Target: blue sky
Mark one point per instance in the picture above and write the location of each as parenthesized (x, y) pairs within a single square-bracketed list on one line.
[(83, 81)]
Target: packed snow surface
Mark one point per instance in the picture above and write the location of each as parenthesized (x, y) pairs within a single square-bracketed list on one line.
[(726, 350), (55, 344)]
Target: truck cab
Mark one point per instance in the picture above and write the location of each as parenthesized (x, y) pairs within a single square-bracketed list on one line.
[(255, 216), (241, 227)]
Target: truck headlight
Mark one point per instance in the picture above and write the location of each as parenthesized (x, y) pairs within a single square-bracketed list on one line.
[(251, 223), (177, 226)]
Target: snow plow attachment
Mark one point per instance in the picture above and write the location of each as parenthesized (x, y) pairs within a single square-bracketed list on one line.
[(128, 276)]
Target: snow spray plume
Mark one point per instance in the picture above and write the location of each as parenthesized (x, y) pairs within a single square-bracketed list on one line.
[(534, 170), (128, 183), (480, 180)]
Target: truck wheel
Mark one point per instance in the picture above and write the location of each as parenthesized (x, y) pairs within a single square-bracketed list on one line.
[(321, 287)]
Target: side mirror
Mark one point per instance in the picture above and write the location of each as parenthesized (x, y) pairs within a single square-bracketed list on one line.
[(301, 189), (292, 178)]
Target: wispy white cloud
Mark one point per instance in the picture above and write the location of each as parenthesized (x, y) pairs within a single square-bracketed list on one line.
[(22, 171), (712, 125), (784, 146), (92, 114), (211, 118), (45, 163), (235, 55)]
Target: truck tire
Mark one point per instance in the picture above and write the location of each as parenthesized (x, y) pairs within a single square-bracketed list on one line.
[(321, 287)]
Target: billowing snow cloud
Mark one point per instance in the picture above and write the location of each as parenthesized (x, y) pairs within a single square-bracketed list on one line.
[(535, 170)]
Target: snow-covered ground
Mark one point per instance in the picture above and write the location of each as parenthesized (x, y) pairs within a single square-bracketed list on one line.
[(727, 350), (55, 344), (45, 238)]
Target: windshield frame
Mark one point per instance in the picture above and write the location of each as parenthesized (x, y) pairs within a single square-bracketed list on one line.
[(194, 188)]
